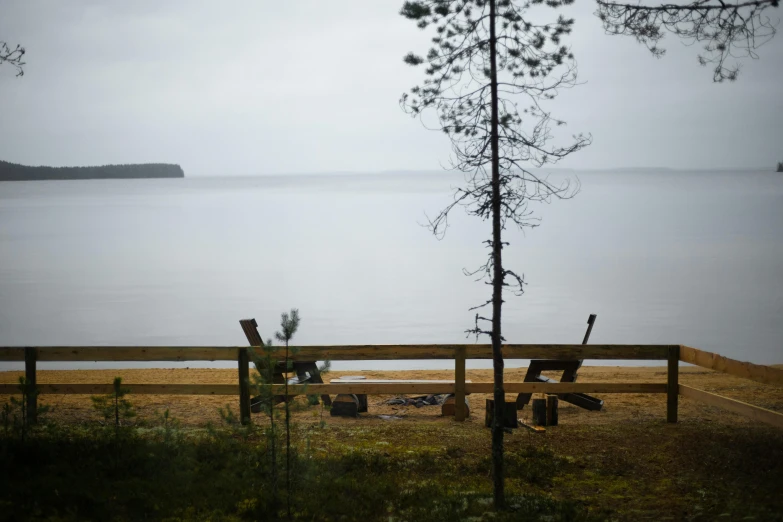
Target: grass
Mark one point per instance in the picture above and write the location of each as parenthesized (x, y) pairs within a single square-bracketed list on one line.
[(395, 471)]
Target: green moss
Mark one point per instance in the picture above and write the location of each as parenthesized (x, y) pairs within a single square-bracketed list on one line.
[(403, 471)]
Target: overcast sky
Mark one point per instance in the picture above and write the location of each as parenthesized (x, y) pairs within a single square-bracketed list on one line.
[(251, 87)]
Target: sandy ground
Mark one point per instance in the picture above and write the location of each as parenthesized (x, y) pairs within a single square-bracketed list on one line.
[(618, 408)]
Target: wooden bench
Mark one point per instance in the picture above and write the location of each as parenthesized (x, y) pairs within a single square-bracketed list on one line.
[(570, 370), (305, 370), (350, 405)]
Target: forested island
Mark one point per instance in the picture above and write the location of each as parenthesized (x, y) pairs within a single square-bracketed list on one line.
[(16, 172)]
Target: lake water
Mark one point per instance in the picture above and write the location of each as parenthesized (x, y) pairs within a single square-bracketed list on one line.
[(669, 257)]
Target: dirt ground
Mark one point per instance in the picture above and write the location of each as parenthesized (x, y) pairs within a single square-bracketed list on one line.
[(198, 411)]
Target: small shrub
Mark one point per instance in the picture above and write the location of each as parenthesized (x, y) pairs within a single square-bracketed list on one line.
[(114, 405)]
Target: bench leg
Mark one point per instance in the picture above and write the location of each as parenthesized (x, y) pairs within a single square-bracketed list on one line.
[(345, 405), (362, 398), (449, 407)]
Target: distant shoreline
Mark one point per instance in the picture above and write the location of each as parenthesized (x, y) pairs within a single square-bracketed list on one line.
[(15, 172), (445, 172)]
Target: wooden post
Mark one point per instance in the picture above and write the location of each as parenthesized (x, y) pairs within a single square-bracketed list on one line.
[(459, 384), (539, 412), (672, 384), (30, 357), (244, 385), (551, 410), (509, 414)]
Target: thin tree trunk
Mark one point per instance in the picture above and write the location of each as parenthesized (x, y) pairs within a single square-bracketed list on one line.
[(272, 434), (273, 440), (497, 278), (287, 440)]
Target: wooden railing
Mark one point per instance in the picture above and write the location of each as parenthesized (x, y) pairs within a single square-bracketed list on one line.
[(673, 354), (344, 353)]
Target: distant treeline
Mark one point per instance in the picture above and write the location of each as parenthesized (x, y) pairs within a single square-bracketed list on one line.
[(15, 172)]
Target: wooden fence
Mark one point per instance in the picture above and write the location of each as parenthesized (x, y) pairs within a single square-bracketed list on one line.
[(673, 354)]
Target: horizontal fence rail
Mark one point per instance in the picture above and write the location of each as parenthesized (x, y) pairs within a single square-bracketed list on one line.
[(748, 410), (138, 389), (345, 353), (747, 370), (348, 388)]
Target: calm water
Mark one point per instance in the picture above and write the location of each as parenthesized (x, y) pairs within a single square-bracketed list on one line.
[(691, 258)]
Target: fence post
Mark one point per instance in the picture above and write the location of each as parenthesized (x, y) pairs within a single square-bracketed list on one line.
[(459, 384), (244, 385), (672, 383), (30, 358)]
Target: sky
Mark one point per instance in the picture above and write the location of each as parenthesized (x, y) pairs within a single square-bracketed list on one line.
[(249, 87)]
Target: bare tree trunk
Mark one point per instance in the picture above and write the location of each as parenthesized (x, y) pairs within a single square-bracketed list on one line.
[(273, 440), (287, 441), (497, 278)]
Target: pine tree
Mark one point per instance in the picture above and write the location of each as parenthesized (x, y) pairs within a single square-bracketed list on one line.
[(728, 30), (486, 59), (268, 364), (114, 405), (265, 365), (289, 324)]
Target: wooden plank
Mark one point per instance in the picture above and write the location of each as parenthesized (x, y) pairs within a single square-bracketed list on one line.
[(134, 353), (478, 387), (535, 429), (747, 370), (459, 386), (347, 388), (404, 381), (748, 410), (590, 322), (8, 354), (243, 365), (315, 377), (672, 383), (569, 387), (483, 351), (391, 388), (345, 353), (250, 327), (138, 389), (30, 375)]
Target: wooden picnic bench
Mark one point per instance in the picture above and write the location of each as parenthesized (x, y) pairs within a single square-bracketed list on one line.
[(306, 371), (570, 370)]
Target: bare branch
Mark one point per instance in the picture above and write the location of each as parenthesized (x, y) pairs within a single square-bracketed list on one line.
[(12, 56)]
